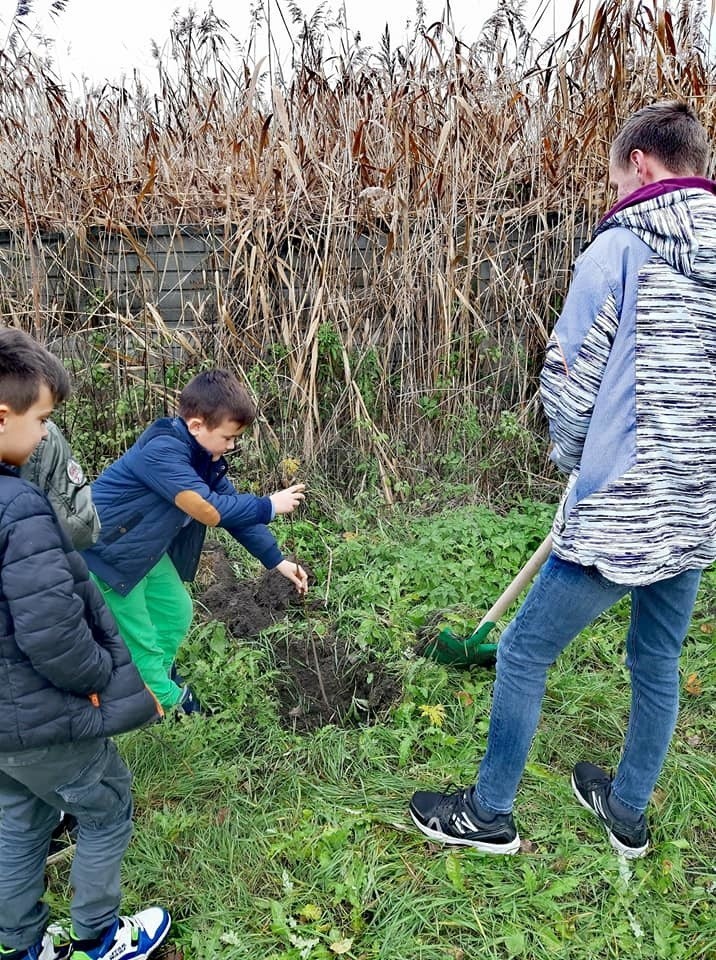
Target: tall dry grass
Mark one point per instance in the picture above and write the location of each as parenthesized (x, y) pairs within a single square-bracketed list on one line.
[(395, 229)]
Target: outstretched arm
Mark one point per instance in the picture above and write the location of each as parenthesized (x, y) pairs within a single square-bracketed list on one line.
[(261, 543)]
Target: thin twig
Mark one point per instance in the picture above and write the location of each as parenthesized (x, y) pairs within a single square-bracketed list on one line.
[(328, 576), (319, 675)]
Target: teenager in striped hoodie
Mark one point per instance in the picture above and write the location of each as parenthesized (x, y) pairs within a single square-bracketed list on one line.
[(629, 389)]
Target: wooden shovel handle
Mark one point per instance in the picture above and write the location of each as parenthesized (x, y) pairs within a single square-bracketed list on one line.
[(523, 578)]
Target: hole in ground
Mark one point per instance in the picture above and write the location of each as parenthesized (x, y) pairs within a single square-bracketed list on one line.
[(319, 679)]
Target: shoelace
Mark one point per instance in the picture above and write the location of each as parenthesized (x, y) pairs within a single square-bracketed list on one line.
[(134, 928), (451, 804)]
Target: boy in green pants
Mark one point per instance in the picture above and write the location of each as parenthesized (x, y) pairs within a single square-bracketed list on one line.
[(155, 504)]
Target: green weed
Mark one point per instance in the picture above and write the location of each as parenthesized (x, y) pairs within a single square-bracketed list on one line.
[(268, 844)]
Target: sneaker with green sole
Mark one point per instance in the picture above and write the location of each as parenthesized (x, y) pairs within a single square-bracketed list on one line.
[(51, 947), (128, 938)]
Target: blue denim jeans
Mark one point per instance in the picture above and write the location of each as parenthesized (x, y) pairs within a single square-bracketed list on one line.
[(89, 780), (564, 599)]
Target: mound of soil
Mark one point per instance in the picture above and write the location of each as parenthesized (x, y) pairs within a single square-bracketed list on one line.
[(320, 680), (246, 606)]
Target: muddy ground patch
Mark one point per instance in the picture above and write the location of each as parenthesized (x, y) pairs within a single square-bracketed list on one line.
[(320, 678)]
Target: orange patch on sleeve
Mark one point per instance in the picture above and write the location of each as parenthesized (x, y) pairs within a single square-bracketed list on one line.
[(197, 507)]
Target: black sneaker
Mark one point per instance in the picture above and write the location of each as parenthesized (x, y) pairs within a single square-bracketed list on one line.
[(189, 702), (450, 819), (591, 786)]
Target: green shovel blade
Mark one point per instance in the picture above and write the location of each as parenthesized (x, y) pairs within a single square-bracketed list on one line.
[(454, 651)]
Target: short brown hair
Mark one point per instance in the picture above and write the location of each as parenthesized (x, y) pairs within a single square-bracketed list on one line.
[(24, 367), (668, 130), (216, 395)]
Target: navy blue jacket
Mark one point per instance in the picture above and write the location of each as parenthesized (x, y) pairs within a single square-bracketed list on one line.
[(159, 497), (59, 644)]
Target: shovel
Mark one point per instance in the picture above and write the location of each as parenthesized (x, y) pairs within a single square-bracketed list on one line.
[(456, 651)]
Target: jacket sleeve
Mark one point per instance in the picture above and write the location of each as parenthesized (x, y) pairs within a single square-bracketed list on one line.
[(256, 538), (576, 358), (163, 464), (48, 617)]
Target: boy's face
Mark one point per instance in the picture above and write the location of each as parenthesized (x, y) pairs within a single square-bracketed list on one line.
[(217, 440), (20, 433)]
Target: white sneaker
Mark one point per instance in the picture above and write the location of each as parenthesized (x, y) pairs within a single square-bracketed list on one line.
[(51, 947), (131, 938)]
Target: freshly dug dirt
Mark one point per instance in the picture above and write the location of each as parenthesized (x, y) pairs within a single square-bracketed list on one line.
[(320, 679), (168, 951), (246, 606)]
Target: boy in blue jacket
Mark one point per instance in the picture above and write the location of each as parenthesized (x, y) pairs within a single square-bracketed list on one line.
[(68, 683), (155, 504)]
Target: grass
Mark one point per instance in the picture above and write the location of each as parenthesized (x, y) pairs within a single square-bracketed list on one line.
[(264, 843)]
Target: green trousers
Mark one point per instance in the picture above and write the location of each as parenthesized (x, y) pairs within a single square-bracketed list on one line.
[(153, 619)]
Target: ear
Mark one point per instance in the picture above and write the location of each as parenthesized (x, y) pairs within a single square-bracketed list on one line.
[(638, 159), (194, 425), (4, 411)]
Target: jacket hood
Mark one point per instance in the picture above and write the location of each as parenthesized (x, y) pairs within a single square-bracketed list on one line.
[(679, 224)]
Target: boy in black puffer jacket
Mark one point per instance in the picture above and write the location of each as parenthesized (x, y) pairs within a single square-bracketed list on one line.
[(67, 682), (53, 468)]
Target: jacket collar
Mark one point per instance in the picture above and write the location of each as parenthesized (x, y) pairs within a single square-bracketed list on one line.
[(217, 466), (658, 189), (180, 425)]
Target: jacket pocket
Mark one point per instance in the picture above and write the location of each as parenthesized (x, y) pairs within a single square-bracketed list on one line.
[(119, 531)]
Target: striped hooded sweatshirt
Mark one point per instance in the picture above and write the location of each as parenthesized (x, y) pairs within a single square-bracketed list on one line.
[(629, 389)]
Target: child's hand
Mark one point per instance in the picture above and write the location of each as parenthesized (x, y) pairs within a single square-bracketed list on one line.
[(297, 575), (286, 501)]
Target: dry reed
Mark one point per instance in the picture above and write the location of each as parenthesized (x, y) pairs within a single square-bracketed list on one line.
[(391, 234)]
